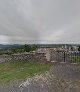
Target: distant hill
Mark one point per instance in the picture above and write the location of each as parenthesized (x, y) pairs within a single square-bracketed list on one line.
[(38, 45), (9, 46)]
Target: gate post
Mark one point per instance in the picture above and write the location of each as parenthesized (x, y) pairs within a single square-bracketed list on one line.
[(48, 55), (64, 56)]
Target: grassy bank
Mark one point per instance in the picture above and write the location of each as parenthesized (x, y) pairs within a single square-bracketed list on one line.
[(21, 70)]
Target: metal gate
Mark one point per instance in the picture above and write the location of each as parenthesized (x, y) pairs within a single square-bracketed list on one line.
[(65, 56)]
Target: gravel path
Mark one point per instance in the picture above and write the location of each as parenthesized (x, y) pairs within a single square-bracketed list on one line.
[(65, 70), (62, 77)]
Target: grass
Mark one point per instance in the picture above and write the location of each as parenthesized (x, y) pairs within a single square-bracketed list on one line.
[(21, 70), (75, 59)]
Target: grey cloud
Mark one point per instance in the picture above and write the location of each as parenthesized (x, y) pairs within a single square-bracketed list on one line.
[(52, 20), (13, 24)]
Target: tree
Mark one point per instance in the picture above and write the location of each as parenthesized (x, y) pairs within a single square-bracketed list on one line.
[(33, 47), (78, 48), (27, 48), (13, 50)]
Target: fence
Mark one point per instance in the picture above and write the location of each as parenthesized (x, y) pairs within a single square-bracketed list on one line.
[(65, 56)]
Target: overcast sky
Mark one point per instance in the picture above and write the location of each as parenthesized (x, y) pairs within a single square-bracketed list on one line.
[(39, 21)]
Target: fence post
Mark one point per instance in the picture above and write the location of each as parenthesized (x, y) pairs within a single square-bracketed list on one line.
[(64, 56)]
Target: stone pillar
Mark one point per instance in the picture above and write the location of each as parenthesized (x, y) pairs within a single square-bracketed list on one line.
[(48, 54)]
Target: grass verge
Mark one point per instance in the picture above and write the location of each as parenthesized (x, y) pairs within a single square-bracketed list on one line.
[(21, 70)]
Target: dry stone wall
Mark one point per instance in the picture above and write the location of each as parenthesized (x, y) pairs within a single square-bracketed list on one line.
[(32, 57)]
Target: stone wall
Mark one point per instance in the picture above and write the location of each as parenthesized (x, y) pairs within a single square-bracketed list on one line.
[(14, 57)]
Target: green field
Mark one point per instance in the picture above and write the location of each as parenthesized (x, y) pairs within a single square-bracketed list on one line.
[(20, 70)]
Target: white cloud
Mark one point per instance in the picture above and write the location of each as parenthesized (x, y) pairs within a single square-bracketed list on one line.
[(52, 36), (4, 39)]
